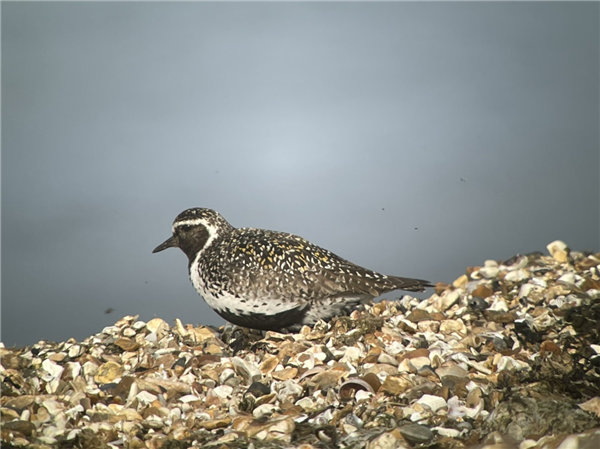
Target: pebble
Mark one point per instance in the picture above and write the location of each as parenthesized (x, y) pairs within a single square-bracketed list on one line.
[(416, 433)]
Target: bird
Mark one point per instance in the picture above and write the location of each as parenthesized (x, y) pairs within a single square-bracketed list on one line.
[(270, 280)]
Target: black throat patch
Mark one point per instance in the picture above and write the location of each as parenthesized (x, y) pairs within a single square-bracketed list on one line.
[(192, 241)]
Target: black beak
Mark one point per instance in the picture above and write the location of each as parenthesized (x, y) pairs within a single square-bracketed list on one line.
[(169, 243)]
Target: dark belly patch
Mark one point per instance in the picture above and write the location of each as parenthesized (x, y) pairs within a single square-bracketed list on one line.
[(261, 321)]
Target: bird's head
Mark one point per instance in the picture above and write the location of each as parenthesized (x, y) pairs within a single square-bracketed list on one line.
[(194, 230)]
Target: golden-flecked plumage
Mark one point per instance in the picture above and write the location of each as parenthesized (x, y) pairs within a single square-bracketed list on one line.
[(272, 280)]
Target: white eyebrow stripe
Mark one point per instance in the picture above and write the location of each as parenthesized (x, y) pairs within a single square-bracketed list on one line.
[(195, 221)]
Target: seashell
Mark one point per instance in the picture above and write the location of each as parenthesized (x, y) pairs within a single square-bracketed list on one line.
[(543, 322), (71, 370), (591, 406), (352, 385), (479, 367), (372, 380), (396, 385), (269, 364), (531, 292), (448, 433), (280, 430), (387, 359), (266, 399), (227, 373), (567, 279), (435, 360), (558, 302), (157, 325), (540, 282), (428, 326), (311, 372), (353, 420), (179, 329), (499, 305), (489, 271), (593, 293), (322, 435), (326, 379), (451, 369), (474, 398), (110, 330), (451, 326), (200, 334), (129, 332), (306, 360), (189, 398), (322, 419), (446, 300), (306, 403), (473, 341), (285, 373), (288, 390), (559, 251), (417, 363), (386, 440), (52, 406), (108, 372), (352, 355), (151, 337), (456, 408), (127, 344), (52, 370), (461, 281), (433, 403), (362, 395), (264, 410), (212, 424), (138, 325), (145, 397), (394, 348), (515, 263), (381, 370), (510, 364), (222, 391), (75, 351), (517, 275), (405, 366), (249, 371), (534, 293)]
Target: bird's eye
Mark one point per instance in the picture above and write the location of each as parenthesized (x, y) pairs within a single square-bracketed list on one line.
[(185, 228)]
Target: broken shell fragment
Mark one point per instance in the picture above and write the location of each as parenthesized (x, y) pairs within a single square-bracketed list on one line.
[(352, 385)]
